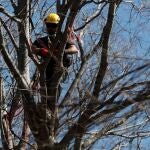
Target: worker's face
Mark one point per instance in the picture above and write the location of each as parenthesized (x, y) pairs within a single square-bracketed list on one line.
[(51, 28)]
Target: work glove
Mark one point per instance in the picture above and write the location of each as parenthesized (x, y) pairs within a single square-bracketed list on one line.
[(44, 52)]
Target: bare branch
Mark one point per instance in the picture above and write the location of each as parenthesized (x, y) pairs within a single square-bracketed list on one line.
[(2, 10), (13, 4), (105, 40), (9, 62), (107, 128), (10, 35), (91, 18)]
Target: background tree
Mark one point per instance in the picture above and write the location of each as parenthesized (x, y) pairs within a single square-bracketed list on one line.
[(106, 95)]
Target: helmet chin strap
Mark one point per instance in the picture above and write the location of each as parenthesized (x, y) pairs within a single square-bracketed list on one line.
[(52, 35)]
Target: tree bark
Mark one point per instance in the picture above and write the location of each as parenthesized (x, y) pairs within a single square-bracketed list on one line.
[(22, 11)]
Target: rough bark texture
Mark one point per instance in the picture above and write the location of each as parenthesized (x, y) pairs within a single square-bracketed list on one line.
[(89, 101), (22, 11)]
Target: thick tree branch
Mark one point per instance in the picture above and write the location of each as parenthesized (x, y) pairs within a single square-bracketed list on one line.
[(105, 39), (3, 134), (25, 136), (74, 83), (29, 105), (10, 63), (80, 127)]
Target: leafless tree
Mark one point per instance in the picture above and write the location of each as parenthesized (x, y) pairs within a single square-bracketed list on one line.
[(105, 97)]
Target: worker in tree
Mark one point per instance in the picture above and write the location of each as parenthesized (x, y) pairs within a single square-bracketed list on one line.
[(42, 46)]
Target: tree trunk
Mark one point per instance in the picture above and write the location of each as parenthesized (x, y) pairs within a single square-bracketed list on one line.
[(23, 29)]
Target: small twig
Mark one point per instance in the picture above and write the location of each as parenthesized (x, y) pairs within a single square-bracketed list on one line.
[(22, 139)]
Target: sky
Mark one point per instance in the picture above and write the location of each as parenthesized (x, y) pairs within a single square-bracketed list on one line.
[(123, 16)]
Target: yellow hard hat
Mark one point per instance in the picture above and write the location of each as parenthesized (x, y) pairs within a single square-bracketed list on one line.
[(52, 18)]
